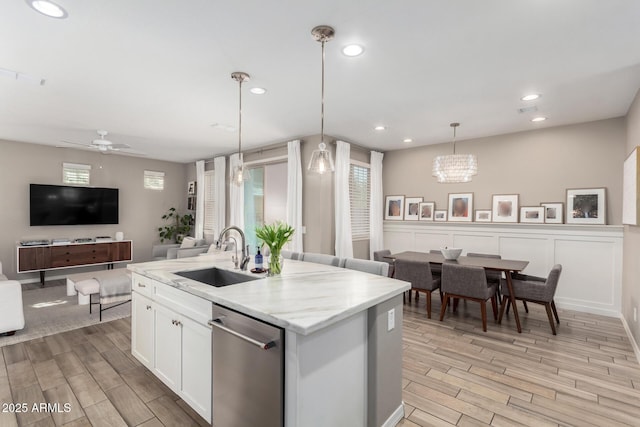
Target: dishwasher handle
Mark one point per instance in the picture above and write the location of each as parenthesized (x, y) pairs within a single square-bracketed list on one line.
[(217, 322)]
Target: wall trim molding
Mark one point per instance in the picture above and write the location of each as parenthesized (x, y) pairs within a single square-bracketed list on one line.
[(395, 417), (634, 344)]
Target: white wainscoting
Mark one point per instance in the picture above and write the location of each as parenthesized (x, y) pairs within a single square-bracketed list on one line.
[(591, 256)]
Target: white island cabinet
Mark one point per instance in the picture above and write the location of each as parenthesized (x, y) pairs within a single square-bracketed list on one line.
[(342, 336)]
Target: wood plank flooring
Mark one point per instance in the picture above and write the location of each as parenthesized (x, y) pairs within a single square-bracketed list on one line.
[(93, 371), (454, 374)]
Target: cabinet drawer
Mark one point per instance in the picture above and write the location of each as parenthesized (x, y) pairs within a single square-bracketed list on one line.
[(196, 308), (63, 256), (142, 285)]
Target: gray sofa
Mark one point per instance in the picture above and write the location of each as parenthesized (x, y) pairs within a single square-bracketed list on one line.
[(173, 251)]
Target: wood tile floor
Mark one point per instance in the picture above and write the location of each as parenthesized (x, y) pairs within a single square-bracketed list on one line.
[(455, 374), (91, 369)]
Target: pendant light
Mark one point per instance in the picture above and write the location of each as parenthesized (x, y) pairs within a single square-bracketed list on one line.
[(455, 168), (239, 174), (321, 159)]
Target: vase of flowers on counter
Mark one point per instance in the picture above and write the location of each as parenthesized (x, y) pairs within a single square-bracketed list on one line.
[(275, 236)]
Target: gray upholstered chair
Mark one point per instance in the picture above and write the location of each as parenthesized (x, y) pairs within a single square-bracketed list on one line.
[(321, 259), (436, 269), (364, 265), (291, 255), (419, 274), (380, 256), (493, 277), (469, 283), (537, 290)]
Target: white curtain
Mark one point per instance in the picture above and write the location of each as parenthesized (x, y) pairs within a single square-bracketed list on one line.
[(199, 231), (344, 240), (294, 194), (220, 194), (376, 241), (236, 195)]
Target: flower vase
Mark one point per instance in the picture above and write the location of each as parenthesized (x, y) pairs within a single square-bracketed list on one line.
[(275, 264)]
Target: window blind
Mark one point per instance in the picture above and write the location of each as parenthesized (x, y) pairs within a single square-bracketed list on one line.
[(154, 180), (76, 174), (209, 201), (359, 197)]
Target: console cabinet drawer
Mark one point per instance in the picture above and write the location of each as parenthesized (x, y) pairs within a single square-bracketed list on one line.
[(64, 256)]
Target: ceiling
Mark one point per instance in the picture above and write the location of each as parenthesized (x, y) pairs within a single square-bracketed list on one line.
[(156, 74)]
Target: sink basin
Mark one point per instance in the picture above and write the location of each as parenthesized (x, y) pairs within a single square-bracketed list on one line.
[(216, 277)]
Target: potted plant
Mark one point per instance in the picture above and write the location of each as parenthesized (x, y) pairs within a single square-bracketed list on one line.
[(178, 227), (275, 236)]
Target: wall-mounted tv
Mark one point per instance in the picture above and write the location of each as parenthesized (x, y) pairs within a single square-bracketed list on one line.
[(64, 205)]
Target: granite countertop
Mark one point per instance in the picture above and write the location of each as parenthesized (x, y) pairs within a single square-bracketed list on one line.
[(305, 298)]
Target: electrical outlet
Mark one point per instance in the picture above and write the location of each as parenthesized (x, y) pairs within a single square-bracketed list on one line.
[(391, 319), (635, 314)]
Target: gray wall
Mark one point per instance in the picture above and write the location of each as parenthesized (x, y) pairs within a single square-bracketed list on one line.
[(631, 267), (22, 164), (539, 165)]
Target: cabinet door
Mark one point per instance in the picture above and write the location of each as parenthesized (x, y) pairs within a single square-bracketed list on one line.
[(167, 347), (196, 367), (142, 329)]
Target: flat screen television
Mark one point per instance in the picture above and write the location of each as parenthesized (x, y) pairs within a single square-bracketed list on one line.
[(64, 205)]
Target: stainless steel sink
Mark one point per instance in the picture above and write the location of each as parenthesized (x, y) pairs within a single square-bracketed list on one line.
[(216, 277)]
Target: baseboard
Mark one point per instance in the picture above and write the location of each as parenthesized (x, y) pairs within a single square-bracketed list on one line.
[(634, 344), (37, 279), (395, 417), (586, 308)]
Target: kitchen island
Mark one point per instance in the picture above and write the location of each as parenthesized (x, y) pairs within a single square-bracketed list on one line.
[(341, 333)]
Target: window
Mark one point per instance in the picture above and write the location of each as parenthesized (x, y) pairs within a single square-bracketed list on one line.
[(76, 174), (209, 201), (359, 197), (153, 180)]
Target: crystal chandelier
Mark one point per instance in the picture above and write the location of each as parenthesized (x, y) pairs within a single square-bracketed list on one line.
[(239, 174), (321, 160), (455, 168)]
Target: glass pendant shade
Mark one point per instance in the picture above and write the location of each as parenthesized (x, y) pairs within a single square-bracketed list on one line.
[(455, 168), (321, 160), (240, 174)]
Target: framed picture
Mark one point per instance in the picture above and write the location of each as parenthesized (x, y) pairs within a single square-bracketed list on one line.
[(553, 212), (532, 214), (427, 211), (394, 208), (440, 215), (483, 215), (505, 208), (191, 188), (460, 207), (586, 206), (191, 203), (412, 208)]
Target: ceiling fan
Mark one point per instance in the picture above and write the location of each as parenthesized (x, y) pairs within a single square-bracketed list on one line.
[(105, 146)]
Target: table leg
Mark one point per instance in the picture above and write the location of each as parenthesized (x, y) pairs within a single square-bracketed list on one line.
[(512, 298), (42, 278)]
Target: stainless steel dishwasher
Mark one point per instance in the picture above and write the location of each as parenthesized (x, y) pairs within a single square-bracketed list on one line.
[(248, 371)]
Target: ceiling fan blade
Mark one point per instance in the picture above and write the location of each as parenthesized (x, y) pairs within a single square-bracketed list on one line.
[(77, 143)]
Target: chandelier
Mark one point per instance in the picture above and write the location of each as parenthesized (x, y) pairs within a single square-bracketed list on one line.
[(239, 174), (455, 168), (321, 160)]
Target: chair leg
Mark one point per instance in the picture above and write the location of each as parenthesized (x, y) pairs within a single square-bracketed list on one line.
[(508, 305), (444, 306), (503, 306), (494, 306), (526, 308), (410, 295), (417, 296), (455, 304), (441, 297), (555, 311), (428, 305), (550, 316), (483, 309), (100, 312)]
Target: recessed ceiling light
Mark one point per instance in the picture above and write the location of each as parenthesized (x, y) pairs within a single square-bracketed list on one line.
[(531, 97), (353, 50), (538, 119), (258, 90), (380, 128), (48, 8), (407, 140)]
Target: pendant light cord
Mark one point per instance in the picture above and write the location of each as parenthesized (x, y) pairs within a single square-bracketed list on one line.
[(240, 121), (322, 106), (454, 140)]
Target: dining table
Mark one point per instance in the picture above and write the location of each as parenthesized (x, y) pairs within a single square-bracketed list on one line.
[(494, 264)]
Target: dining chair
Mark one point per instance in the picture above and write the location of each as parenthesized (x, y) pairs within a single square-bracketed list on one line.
[(419, 274), (366, 266), (469, 283), (321, 259), (537, 290), (291, 255), (493, 277), (380, 256), (436, 269)]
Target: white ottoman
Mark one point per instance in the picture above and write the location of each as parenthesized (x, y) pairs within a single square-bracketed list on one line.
[(85, 288), (92, 286), (11, 313)]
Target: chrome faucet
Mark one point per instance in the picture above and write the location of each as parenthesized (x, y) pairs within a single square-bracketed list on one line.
[(245, 254)]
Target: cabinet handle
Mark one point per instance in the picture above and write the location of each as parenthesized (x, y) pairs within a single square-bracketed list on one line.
[(178, 323), (140, 285), (173, 321), (148, 307)]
